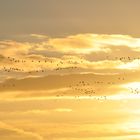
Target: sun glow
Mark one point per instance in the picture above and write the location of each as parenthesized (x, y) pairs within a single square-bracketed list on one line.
[(130, 65), (135, 85)]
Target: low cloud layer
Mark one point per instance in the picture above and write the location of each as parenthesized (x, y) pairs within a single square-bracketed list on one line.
[(74, 87)]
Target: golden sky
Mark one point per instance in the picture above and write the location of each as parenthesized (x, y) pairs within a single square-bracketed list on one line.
[(69, 70)]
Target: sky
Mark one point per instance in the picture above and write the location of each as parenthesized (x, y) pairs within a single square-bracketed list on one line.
[(66, 17), (69, 70)]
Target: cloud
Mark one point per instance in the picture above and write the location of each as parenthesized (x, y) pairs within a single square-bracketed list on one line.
[(63, 110), (78, 54), (66, 86), (38, 36), (8, 132), (87, 43), (41, 96), (13, 48), (79, 44), (71, 119), (97, 52)]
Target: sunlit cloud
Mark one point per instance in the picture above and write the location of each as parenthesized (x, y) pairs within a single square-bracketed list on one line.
[(16, 133), (63, 110), (130, 65), (13, 48), (38, 36)]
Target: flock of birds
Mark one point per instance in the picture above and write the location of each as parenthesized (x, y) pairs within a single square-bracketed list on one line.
[(82, 87), (124, 59), (73, 64), (135, 90), (58, 65)]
